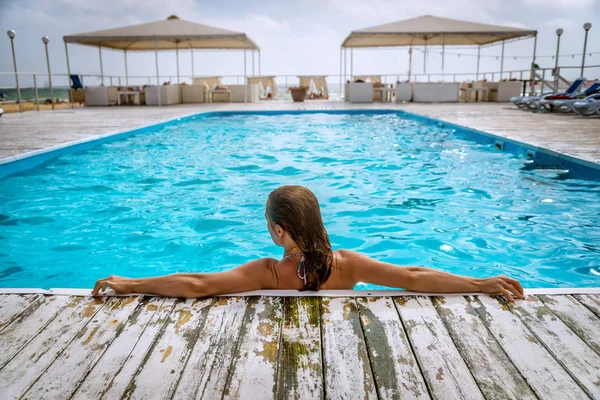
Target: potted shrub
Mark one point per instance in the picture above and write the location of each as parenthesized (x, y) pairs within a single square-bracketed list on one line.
[(298, 93)]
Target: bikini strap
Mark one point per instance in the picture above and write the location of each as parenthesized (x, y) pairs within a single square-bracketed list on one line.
[(303, 277)]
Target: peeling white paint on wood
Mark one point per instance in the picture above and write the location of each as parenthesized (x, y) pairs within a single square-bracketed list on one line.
[(206, 371), (160, 370), (568, 348), (83, 352), (111, 374), (28, 324), (13, 305), (592, 302), (443, 367), (29, 364), (543, 373), (394, 365), (494, 372), (577, 317), (299, 364), (347, 367), (271, 347), (254, 367)]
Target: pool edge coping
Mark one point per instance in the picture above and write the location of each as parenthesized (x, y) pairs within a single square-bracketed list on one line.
[(297, 293)]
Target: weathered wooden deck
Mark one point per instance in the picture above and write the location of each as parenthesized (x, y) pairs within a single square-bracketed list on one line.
[(469, 347)]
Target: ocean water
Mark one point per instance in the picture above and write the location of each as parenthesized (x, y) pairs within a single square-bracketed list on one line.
[(190, 196)]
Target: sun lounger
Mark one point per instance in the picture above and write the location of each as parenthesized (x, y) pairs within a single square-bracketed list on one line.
[(552, 104), (76, 92), (531, 101), (587, 107), (76, 82)]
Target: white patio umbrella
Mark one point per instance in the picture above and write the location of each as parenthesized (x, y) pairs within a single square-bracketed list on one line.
[(170, 34), (434, 31)]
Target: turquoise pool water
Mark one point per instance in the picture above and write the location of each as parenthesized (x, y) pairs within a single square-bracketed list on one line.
[(190, 196)]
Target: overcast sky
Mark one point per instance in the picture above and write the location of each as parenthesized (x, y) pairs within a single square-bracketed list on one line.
[(300, 37)]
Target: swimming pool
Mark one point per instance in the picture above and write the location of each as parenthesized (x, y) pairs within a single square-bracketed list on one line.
[(190, 196)]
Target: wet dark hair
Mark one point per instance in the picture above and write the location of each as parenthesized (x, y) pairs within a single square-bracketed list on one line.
[(296, 210)]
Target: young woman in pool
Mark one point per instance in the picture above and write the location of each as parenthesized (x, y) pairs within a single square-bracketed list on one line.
[(308, 263)]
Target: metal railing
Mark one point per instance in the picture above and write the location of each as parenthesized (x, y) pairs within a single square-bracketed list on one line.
[(32, 91)]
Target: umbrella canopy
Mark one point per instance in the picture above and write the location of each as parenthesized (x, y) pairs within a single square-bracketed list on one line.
[(170, 34), (433, 31)]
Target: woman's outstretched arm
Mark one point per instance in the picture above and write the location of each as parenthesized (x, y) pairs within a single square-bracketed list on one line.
[(254, 275), (420, 279)]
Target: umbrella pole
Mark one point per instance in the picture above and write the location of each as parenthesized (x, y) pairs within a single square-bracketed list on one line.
[(351, 61), (409, 62), (177, 57), (259, 56), (341, 81), (501, 62), (253, 51), (478, 54), (245, 78), (101, 69), (68, 72), (157, 78), (532, 73), (425, 58), (345, 69), (192, 52), (126, 73), (443, 53)]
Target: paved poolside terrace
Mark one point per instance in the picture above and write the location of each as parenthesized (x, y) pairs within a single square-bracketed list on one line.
[(563, 133), (348, 344)]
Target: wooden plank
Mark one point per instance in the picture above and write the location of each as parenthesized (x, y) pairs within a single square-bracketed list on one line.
[(254, 368), (206, 371), (13, 305), (568, 348), (591, 301), (444, 369), (112, 373), (81, 354), (395, 367), (22, 371), (544, 374), (160, 370), (577, 317), (346, 361), (495, 374), (299, 365), (28, 324)]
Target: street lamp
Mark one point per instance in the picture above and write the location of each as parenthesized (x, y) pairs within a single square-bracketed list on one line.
[(559, 32), (11, 34), (587, 26), (46, 40)]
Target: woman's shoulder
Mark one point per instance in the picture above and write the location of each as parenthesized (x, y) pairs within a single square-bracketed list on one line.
[(346, 255)]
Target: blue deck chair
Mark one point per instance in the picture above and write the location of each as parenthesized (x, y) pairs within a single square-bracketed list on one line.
[(531, 101), (557, 104), (76, 82)]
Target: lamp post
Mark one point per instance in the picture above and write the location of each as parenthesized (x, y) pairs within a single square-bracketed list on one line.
[(559, 32), (587, 26), (11, 34), (45, 39)]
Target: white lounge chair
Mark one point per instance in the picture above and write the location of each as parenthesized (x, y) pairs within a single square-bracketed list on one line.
[(587, 108), (550, 104), (531, 101)]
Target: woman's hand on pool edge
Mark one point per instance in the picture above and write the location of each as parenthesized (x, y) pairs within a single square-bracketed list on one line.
[(501, 285), (119, 284)]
